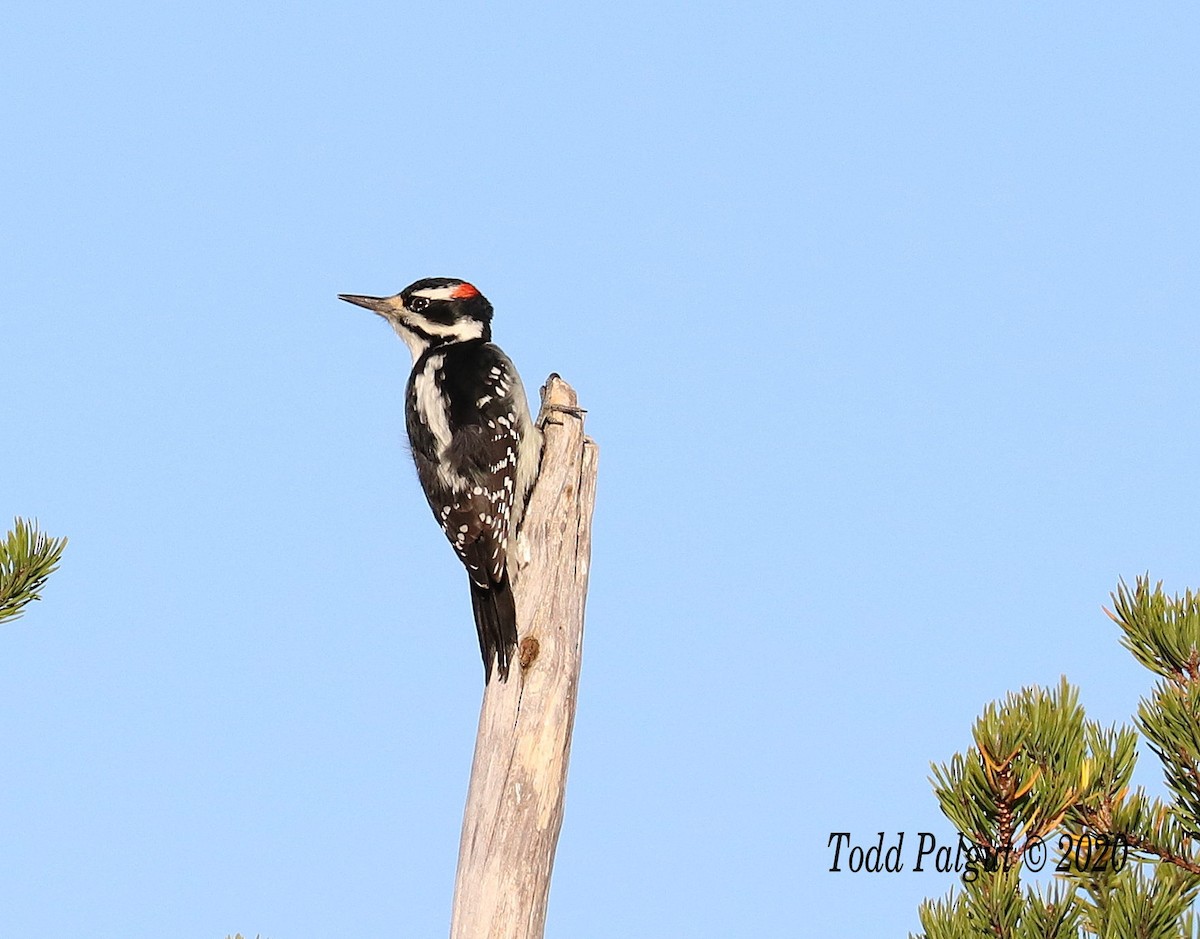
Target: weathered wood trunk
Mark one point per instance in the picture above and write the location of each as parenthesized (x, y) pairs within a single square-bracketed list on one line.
[(518, 778)]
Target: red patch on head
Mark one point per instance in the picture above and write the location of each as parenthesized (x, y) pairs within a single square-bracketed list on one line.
[(462, 291)]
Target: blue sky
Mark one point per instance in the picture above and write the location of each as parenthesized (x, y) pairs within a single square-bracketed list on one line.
[(885, 318)]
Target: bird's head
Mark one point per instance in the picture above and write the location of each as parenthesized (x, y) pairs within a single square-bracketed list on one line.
[(432, 312)]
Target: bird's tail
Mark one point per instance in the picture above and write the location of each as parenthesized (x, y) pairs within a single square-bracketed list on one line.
[(496, 622)]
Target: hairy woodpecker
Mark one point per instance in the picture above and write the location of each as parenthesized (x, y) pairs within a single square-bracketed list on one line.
[(472, 438)]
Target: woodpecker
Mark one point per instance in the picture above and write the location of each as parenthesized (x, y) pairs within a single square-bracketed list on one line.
[(472, 438)]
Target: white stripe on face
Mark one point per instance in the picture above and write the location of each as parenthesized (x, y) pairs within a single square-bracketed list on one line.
[(458, 331), (438, 293)]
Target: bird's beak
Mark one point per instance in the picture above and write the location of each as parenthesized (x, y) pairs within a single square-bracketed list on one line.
[(375, 304)]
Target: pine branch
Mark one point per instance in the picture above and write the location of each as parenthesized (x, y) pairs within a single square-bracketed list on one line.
[(1139, 843), (1038, 771), (1162, 632), (27, 558)]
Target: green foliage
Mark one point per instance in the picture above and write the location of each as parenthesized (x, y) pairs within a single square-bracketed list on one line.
[(996, 906), (27, 558), (1040, 779), (1034, 758), (1162, 632)]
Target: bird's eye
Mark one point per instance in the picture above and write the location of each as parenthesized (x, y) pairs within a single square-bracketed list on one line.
[(417, 304)]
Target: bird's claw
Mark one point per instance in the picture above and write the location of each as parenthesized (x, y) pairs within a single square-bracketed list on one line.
[(548, 409)]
